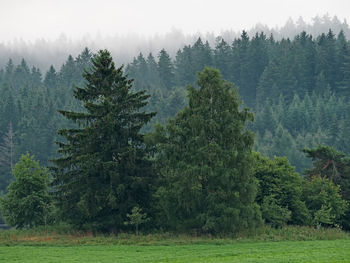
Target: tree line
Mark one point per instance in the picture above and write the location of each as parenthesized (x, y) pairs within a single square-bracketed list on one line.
[(198, 172), (298, 89)]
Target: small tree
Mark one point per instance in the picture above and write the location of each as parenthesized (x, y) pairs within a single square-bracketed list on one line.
[(280, 191), (273, 213), (323, 200), (335, 166), (27, 201), (136, 218)]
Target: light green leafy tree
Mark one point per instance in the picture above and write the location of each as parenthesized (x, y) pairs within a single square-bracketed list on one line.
[(323, 199), (27, 203), (136, 218)]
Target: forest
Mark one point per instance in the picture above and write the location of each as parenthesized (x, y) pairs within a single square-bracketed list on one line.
[(217, 138)]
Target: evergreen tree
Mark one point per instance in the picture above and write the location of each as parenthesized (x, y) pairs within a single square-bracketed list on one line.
[(257, 60), (51, 80), (185, 71), (205, 155), (6, 157), (304, 52), (201, 55), (327, 58), (103, 171), (166, 70), (21, 75), (343, 85), (153, 76), (223, 58)]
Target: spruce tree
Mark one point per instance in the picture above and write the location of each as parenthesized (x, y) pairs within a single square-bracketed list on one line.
[(6, 157), (103, 171), (205, 156), (166, 70)]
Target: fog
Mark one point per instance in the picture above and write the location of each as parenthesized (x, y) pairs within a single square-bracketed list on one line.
[(44, 52)]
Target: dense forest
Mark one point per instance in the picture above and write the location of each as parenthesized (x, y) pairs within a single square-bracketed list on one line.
[(298, 90)]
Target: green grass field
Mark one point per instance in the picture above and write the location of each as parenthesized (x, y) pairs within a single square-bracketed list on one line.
[(288, 244), (285, 251)]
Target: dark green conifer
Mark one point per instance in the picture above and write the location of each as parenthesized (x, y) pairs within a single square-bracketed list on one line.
[(166, 70), (103, 171)]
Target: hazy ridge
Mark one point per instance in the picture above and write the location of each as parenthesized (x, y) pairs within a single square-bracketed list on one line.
[(43, 53)]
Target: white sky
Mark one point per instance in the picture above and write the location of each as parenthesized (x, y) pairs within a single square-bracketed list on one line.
[(32, 19)]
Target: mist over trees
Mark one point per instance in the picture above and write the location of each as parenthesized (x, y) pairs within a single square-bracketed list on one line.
[(43, 53)]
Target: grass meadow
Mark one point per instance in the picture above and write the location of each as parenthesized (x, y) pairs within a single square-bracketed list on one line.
[(289, 244)]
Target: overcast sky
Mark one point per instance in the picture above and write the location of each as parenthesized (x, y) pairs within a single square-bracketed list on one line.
[(32, 19)]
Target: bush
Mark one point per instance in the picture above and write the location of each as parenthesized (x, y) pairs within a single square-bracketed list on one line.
[(324, 201), (273, 213), (27, 203)]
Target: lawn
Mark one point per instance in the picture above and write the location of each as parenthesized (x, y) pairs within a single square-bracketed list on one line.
[(282, 251)]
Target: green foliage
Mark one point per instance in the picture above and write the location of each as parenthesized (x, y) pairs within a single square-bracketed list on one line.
[(204, 156), (280, 191), (103, 170), (328, 163), (335, 166), (273, 213), (324, 201), (136, 218), (285, 129), (298, 89), (27, 203)]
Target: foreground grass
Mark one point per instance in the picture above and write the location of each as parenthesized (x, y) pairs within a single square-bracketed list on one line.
[(62, 244), (284, 251)]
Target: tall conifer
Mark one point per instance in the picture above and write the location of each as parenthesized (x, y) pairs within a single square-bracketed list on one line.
[(103, 171)]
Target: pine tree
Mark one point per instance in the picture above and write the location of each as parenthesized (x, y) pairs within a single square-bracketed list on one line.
[(205, 157), (153, 79), (223, 58), (6, 157), (185, 71), (343, 85), (50, 80), (166, 70), (304, 52), (326, 49), (257, 60), (103, 171)]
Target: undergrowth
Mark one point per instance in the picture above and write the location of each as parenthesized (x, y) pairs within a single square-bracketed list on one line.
[(66, 236)]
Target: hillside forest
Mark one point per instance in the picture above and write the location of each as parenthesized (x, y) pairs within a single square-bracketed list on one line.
[(276, 112)]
